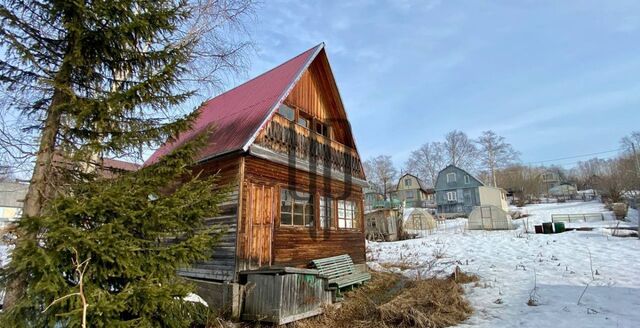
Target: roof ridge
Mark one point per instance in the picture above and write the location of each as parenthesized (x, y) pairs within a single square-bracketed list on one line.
[(261, 74)]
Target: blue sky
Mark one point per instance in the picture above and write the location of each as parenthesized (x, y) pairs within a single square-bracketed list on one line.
[(556, 78)]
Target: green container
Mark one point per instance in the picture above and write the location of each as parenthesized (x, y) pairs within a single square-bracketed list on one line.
[(547, 227), (559, 227)]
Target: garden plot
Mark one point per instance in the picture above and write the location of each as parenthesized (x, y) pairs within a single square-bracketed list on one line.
[(532, 280)]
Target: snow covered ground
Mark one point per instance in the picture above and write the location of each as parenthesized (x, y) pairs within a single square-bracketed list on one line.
[(551, 270)]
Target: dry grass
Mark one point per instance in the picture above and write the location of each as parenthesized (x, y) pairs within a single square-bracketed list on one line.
[(462, 277), (391, 300), (400, 265)]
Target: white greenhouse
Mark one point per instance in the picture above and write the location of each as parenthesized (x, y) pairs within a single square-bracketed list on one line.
[(489, 218), (417, 219)]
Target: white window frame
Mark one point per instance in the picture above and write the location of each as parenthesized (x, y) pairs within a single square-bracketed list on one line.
[(347, 214), (326, 212), (452, 196), (288, 208), (407, 182), (467, 179), (449, 175)]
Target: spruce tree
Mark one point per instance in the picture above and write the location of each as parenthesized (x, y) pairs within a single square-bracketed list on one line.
[(125, 237), (103, 77)]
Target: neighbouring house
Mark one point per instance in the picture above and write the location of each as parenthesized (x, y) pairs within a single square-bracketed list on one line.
[(549, 180), (283, 143), (12, 196), (458, 192), (413, 192), (373, 199), (564, 190)]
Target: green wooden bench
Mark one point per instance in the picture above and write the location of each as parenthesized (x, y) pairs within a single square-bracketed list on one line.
[(340, 271)]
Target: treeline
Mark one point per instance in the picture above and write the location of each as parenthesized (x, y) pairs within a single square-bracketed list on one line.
[(483, 156), (493, 160)]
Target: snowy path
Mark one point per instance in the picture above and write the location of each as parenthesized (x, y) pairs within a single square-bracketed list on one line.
[(510, 263)]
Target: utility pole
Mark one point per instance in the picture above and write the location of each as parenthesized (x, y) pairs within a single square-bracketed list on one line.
[(635, 155)]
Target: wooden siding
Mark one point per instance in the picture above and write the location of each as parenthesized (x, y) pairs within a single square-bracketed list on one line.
[(316, 93), (222, 265), (296, 246)]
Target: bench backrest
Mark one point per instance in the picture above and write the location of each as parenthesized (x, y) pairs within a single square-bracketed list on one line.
[(335, 266)]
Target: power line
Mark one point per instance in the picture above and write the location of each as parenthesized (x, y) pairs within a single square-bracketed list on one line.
[(575, 156)]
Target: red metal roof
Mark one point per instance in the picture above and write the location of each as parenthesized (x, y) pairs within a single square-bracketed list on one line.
[(238, 114)]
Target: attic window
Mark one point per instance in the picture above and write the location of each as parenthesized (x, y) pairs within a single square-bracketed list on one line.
[(302, 121), (288, 112), (451, 177), (322, 129), (407, 182), (466, 179)]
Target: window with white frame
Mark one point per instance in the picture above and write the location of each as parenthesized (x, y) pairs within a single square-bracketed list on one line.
[(466, 179), (346, 214), (326, 212), (296, 208), (451, 177), (407, 182), (452, 196)]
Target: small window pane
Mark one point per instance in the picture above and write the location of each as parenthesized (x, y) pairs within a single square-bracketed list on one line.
[(287, 112), (303, 122), (285, 218)]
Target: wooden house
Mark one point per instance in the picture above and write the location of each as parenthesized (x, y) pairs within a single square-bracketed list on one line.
[(413, 192), (283, 141), (458, 192)]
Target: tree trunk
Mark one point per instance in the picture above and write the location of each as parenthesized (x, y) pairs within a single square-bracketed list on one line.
[(39, 189)]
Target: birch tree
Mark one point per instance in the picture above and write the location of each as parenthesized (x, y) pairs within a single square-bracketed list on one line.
[(427, 161), (381, 172), (494, 153), (460, 150)]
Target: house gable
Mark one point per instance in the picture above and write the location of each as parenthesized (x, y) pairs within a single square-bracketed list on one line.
[(316, 94), (293, 134), (453, 177)]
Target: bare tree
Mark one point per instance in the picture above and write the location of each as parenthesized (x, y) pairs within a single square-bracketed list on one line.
[(427, 161), (631, 143), (616, 178), (585, 173), (523, 181), (633, 139), (460, 150), (494, 153), (381, 173)]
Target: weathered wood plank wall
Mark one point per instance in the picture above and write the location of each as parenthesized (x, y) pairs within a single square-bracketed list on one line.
[(222, 265)]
